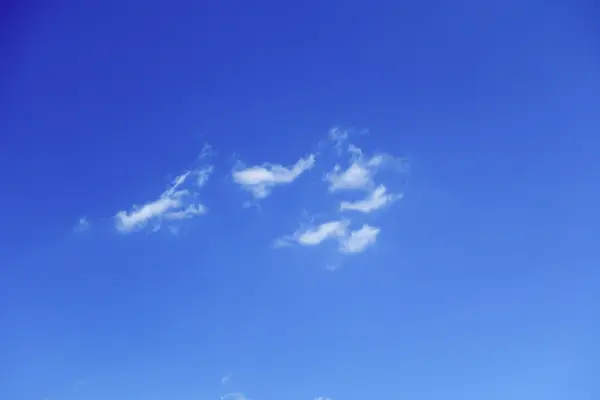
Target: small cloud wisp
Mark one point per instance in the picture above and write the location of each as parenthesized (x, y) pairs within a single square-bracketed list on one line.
[(226, 380), (82, 225), (378, 198)]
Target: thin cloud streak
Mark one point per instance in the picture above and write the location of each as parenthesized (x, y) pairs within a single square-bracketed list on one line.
[(174, 204)]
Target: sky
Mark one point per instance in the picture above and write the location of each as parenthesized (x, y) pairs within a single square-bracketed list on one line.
[(317, 200)]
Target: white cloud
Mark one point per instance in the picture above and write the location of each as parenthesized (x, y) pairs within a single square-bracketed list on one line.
[(82, 225), (358, 241), (312, 237), (358, 175), (234, 396), (174, 204), (350, 242), (322, 398), (361, 171), (316, 235), (378, 198), (260, 180), (355, 176)]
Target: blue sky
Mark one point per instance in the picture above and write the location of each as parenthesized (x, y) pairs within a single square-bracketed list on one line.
[(322, 200)]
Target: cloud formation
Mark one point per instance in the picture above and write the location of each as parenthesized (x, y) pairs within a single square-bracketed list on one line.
[(176, 203), (349, 241), (357, 176), (378, 198), (260, 179), (315, 235), (357, 241), (360, 173)]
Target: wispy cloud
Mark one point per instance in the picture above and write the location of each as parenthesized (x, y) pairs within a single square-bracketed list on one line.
[(203, 174), (359, 174), (356, 176), (333, 229), (378, 198), (176, 203), (349, 241), (358, 241), (338, 136), (260, 179), (207, 151), (189, 212), (226, 380), (322, 398), (234, 396), (82, 225), (315, 235)]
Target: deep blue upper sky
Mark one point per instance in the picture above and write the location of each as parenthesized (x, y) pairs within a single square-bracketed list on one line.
[(483, 282)]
